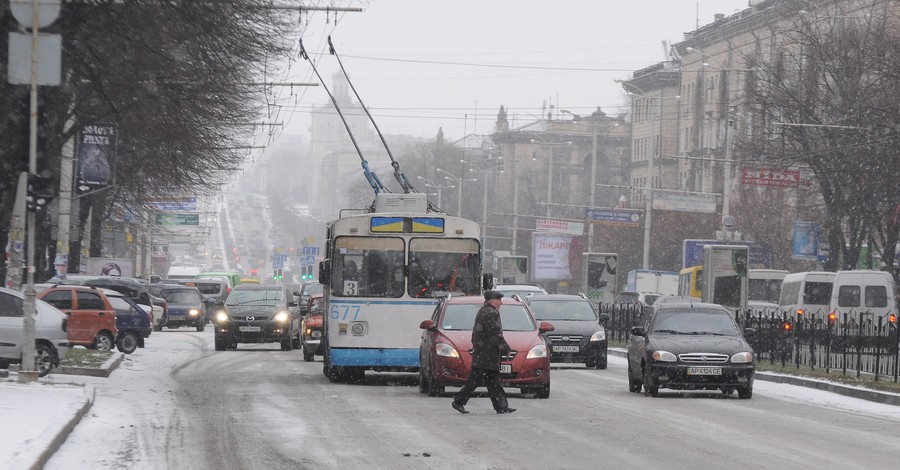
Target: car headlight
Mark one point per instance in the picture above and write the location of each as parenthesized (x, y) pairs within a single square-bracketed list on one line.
[(193, 312), (222, 316), (664, 356), (281, 317), (742, 358), (316, 334), (599, 336), (445, 350), (537, 352)]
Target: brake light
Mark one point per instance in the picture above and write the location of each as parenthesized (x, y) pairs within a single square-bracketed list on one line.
[(799, 311), (227, 290)]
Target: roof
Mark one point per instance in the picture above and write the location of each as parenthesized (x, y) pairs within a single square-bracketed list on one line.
[(478, 299), (558, 297)]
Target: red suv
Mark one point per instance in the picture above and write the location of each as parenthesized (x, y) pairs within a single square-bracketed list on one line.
[(445, 352)]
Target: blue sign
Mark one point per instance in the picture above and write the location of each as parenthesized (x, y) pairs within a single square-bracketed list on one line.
[(279, 261), (627, 217), (806, 240), (307, 260), (311, 250), (176, 204)]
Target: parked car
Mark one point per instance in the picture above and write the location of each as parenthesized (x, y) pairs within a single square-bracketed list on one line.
[(256, 313), (186, 308), (444, 352), (690, 346), (50, 339), (522, 290), (578, 335), (312, 327), (138, 290), (100, 318)]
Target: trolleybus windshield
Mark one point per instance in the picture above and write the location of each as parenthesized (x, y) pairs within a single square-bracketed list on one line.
[(368, 267), (438, 266)]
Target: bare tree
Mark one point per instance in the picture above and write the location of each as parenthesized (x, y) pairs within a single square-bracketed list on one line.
[(824, 94), (178, 79)]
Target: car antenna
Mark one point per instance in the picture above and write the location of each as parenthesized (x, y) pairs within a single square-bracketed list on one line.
[(371, 177), (398, 175)]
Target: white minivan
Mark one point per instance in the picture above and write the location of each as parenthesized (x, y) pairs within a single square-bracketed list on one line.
[(806, 293), (863, 295)]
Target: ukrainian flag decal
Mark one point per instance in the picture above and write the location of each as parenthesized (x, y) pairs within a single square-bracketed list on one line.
[(427, 225), (386, 224)]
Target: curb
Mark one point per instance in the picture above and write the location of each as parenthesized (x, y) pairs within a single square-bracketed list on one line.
[(103, 371), (63, 433), (849, 391)]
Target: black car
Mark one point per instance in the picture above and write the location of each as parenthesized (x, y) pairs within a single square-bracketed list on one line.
[(185, 306), (690, 346), (578, 335), (256, 313)]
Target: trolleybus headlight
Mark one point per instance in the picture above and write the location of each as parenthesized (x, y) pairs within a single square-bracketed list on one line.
[(537, 352), (222, 316), (742, 358), (281, 317), (664, 356), (193, 312), (316, 334), (445, 350), (599, 336)]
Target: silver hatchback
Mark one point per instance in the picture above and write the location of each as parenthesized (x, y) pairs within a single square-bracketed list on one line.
[(50, 345)]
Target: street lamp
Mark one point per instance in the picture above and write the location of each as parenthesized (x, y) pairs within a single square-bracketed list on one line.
[(451, 177), (648, 207), (484, 179), (429, 183), (540, 141)]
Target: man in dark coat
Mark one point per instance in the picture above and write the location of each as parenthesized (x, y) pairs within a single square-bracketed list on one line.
[(487, 347)]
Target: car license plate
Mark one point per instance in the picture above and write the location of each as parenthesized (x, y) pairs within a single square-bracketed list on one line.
[(565, 349), (505, 368), (249, 329), (704, 371)]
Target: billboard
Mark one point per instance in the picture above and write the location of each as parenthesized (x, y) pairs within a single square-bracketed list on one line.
[(806, 240), (109, 267), (599, 274), (551, 257), (95, 159)]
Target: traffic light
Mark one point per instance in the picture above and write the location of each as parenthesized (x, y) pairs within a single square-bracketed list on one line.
[(277, 275), (39, 193), (306, 273), (595, 273)]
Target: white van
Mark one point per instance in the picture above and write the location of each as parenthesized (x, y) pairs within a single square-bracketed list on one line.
[(863, 295), (183, 272), (808, 293)]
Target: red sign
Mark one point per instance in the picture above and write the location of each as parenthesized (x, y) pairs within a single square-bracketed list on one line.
[(771, 177)]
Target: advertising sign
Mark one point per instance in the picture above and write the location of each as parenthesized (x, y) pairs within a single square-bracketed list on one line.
[(559, 226), (513, 269), (624, 217), (599, 274), (551, 257), (684, 202), (110, 267), (772, 177), (95, 159), (806, 240)]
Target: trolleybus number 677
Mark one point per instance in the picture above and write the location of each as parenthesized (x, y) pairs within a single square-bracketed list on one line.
[(348, 310)]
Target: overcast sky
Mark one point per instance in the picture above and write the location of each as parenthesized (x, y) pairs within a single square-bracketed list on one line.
[(423, 64)]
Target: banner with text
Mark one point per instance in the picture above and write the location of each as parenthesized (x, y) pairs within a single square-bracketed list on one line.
[(559, 226), (623, 217), (683, 202), (773, 177)]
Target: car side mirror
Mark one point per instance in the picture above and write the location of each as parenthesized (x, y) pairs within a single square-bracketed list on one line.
[(638, 331), (292, 303), (749, 332), (427, 325), (545, 327), (604, 318)]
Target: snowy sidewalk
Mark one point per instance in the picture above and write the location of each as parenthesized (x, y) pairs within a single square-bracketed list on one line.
[(36, 419)]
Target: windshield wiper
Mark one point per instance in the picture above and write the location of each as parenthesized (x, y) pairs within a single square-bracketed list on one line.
[(673, 332), (703, 333), (247, 302)]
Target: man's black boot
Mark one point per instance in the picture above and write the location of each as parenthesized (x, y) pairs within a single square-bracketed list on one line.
[(458, 407)]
